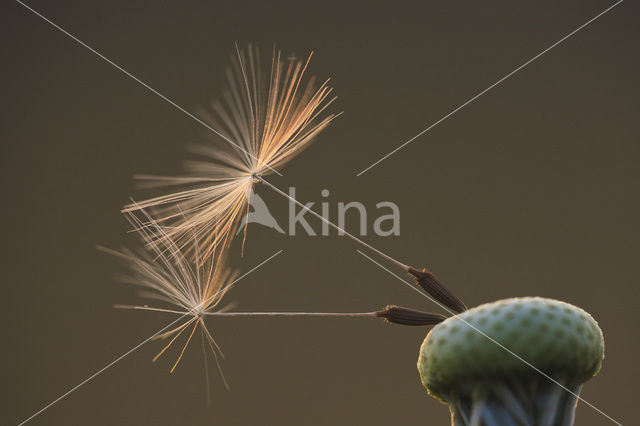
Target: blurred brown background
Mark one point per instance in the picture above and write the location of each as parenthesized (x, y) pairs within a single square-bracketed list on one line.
[(530, 190)]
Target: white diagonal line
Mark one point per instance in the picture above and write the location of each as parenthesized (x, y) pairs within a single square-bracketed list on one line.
[(242, 276), (490, 87), (495, 341), (130, 351), (101, 370), (145, 85)]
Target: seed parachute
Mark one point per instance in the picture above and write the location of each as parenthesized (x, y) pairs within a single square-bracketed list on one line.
[(270, 118)]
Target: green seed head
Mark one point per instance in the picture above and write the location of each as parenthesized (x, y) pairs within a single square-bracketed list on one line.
[(559, 339)]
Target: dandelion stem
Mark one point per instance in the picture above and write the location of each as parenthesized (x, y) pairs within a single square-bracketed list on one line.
[(401, 265), (393, 314), (292, 314)]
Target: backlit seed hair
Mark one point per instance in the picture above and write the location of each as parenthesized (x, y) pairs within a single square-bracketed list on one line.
[(177, 284), (268, 119)]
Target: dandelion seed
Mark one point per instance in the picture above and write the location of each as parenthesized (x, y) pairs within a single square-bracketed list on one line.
[(270, 119), (195, 288), (190, 287), (271, 122)]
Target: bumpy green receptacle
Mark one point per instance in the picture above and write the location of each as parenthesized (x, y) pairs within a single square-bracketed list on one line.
[(460, 365)]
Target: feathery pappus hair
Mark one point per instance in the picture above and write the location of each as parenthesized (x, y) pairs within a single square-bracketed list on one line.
[(179, 285), (267, 118)]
